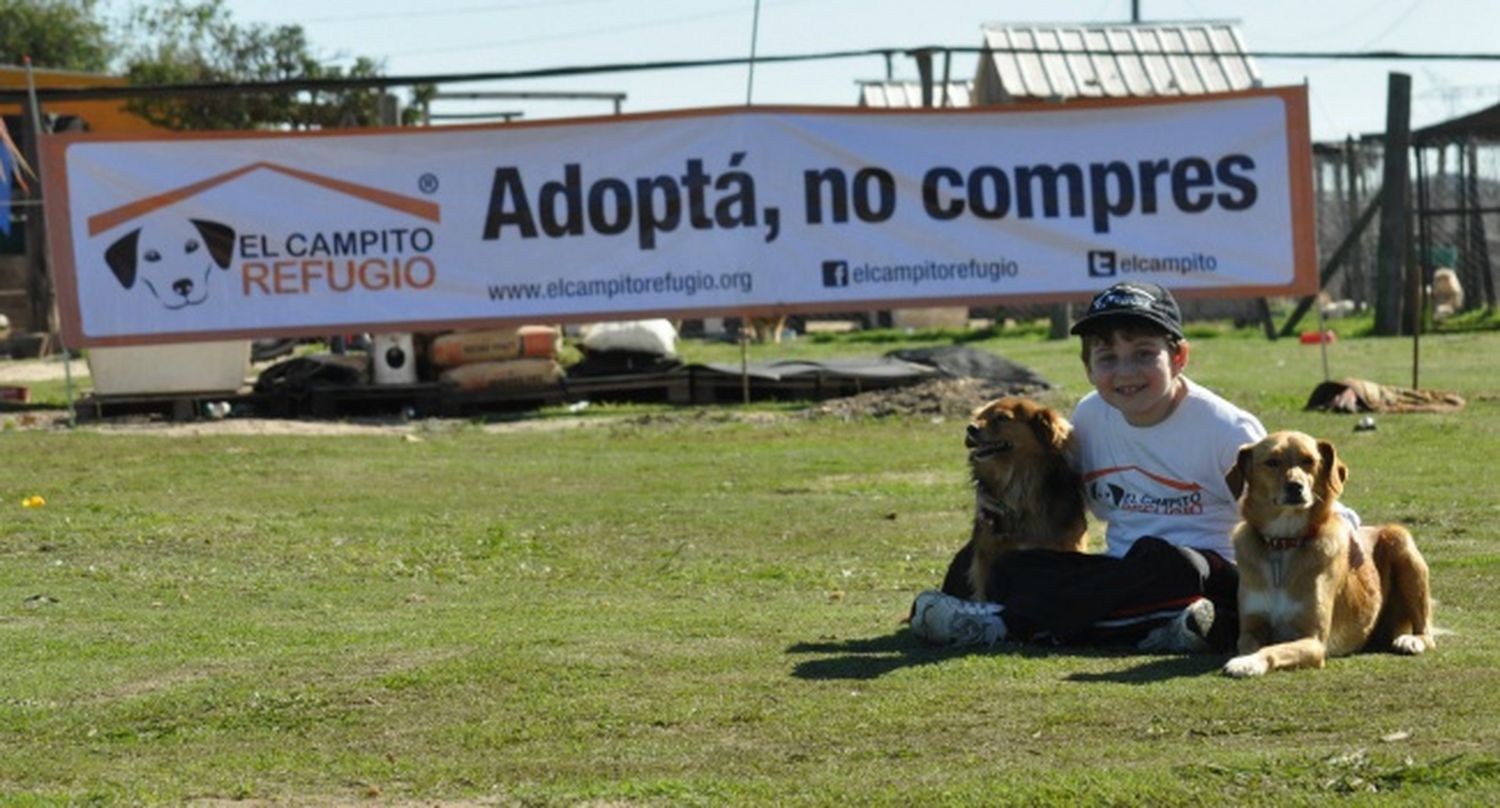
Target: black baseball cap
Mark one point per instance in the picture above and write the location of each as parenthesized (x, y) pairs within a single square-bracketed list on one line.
[(1137, 300)]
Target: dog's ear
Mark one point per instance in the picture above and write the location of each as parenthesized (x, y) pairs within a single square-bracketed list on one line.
[(121, 257), (1331, 472), (1240, 471), (1051, 429), (219, 239)]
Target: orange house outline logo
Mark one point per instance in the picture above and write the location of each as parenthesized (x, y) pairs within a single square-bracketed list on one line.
[(175, 260), (421, 208)]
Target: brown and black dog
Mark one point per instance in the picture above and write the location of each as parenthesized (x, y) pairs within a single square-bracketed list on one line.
[(1025, 494), (1311, 585)]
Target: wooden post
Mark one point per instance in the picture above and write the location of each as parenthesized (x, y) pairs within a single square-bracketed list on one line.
[(1062, 315), (745, 326), (1395, 213), (1344, 250), (1263, 311), (924, 72), (390, 109), (42, 310)]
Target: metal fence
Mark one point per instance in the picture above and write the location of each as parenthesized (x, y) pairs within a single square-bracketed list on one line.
[(1458, 214), (1455, 204)]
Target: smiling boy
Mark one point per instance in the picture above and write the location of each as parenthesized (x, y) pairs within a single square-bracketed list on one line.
[(1152, 447)]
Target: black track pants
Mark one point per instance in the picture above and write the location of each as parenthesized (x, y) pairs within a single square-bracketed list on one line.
[(1089, 599)]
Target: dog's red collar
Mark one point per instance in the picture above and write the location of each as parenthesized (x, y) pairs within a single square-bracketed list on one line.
[(1288, 543), (1292, 542), (1356, 553)]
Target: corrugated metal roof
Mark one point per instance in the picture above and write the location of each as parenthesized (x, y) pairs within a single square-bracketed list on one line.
[(1483, 125), (908, 94), (1061, 61)]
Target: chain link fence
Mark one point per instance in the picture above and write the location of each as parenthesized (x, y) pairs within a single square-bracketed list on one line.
[(1455, 204), (1458, 216)]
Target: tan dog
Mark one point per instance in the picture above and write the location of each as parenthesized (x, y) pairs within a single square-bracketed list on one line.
[(766, 329), (1025, 494), (1447, 293), (1311, 586)]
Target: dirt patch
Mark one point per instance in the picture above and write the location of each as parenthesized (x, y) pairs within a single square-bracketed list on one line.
[(939, 398), (953, 399), (31, 371), (247, 426), (947, 398), (414, 431)]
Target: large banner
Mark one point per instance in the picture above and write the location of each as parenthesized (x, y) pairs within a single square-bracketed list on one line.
[(708, 212)]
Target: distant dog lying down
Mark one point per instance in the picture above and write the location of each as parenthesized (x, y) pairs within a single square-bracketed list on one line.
[(1025, 494), (1311, 585)]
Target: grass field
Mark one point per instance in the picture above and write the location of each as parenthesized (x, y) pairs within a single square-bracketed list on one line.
[(683, 609)]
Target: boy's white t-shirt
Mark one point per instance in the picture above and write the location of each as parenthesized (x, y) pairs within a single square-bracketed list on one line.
[(1164, 480)]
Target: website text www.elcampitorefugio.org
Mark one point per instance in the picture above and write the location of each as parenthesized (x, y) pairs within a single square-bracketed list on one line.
[(625, 284)]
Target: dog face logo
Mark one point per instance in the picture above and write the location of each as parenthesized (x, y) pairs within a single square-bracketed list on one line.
[(1108, 491), (174, 259)]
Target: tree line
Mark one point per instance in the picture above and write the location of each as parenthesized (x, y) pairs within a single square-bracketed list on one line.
[(194, 42)]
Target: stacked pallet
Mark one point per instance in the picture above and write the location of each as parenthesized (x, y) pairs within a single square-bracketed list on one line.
[(507, 358)]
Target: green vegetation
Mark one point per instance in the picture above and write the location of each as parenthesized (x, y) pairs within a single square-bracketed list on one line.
[(687, 610), (195, 42)]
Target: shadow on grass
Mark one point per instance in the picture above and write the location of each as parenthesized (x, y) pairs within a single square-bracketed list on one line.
[(869, 658), (874, 657), (1158, 669)]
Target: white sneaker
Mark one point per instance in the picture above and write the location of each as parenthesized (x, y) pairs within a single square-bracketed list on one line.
[(1186, 634), (946, 620)]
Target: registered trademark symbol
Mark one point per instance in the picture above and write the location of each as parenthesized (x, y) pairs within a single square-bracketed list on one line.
[(428, 183)]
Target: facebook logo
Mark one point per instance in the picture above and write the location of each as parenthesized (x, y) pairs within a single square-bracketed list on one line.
[(1102, 263), (835, 273)]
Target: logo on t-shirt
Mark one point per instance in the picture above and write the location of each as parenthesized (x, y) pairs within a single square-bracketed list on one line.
[(1114, 493), (1145, 493)]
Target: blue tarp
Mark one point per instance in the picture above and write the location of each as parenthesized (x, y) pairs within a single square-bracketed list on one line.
[(7, 168)]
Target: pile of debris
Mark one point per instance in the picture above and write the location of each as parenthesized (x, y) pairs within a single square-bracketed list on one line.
[(938, 398), (970, 378)]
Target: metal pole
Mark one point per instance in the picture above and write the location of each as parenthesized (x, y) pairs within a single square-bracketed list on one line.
[(1322, 341), (1477, 238), (754, 34), (1424, 266), (36, 126), (745, 320), (1417, 274)]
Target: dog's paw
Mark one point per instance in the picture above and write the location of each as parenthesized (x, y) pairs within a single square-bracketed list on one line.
[(1410, 644), (1243, 666)]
